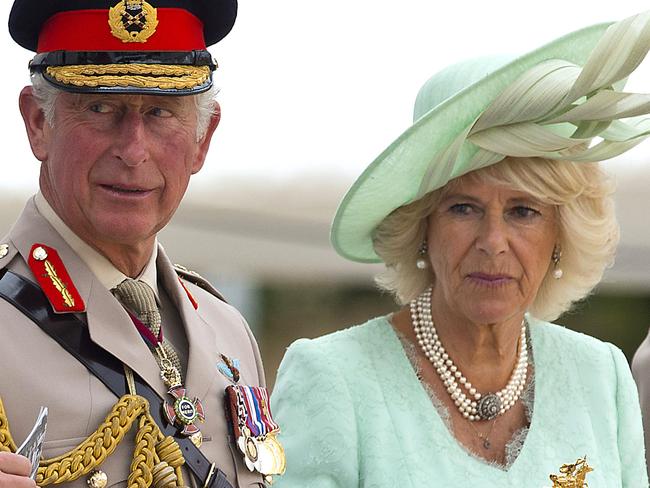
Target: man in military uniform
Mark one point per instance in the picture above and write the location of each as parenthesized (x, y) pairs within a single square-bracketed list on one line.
[(120, 114)]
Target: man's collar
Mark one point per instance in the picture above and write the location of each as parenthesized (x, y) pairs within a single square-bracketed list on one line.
[(107, 274)]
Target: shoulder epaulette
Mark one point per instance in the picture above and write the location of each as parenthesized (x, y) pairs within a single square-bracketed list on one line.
[(198, 280), (54, 280)]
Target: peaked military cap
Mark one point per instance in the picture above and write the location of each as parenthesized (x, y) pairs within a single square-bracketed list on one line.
[(123, 46)]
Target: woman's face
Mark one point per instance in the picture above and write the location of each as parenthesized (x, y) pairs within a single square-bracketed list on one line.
[(490, 248)]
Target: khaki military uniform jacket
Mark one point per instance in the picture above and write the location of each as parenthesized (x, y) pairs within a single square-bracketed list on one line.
[(36, 371)]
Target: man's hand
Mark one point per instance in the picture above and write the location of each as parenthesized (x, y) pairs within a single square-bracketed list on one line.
[(14, 471)]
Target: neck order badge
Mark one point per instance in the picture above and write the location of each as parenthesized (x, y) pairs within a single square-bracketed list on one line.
[(139, 298), (184, 412)]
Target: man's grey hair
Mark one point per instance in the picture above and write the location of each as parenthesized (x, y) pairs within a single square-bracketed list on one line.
[(46, 94)]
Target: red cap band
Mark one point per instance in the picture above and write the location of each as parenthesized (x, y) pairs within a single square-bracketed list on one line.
[(88, 30)]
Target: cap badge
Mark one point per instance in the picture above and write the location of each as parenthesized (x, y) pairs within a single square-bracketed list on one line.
[(132, 20)]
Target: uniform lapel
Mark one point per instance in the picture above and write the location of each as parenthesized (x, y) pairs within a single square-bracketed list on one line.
[(108, 324), (111, 328), (201, 366)]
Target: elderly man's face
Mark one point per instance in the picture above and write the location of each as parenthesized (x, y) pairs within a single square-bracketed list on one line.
[(115, 167)]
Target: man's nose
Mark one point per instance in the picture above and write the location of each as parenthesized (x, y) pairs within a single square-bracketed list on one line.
[(132, 146)]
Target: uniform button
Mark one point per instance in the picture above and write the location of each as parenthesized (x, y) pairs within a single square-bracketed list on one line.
[(97, 480), (39, 254)]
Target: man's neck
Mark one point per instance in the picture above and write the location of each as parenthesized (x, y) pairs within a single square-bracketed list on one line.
[(109, 263), (130, 260)]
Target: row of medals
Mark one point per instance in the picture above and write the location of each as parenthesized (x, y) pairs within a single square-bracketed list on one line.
[(262, 453)]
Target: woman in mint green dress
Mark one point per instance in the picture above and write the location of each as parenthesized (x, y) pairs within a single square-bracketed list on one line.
[(492, 216)]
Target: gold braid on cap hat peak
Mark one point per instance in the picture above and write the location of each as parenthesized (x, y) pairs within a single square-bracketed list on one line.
[(556, 108), (157, 459), (163, 76)]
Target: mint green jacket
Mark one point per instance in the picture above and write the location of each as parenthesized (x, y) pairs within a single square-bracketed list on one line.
[(354, 414)]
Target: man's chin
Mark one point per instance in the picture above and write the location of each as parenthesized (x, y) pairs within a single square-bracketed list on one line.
[(126, 232)]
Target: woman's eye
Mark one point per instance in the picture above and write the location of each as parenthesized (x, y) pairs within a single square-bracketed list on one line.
[(524, 212), (461, 209), (159, 112)]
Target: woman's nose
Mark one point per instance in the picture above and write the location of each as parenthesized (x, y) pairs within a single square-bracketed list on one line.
[(492, 236)]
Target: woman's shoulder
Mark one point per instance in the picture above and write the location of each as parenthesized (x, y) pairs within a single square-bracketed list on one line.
[(564, 338), (357, 348), (341, 364), (558, 344)]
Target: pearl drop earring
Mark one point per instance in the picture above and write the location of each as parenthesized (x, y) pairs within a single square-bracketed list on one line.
[(422, 262), (555, 258)]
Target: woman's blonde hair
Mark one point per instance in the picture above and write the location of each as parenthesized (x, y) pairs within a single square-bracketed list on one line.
[(588, 230)]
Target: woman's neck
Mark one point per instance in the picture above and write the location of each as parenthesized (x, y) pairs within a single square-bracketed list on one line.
[(486, 354)]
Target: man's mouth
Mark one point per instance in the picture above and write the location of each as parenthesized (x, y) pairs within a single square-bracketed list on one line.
[(124, 189)]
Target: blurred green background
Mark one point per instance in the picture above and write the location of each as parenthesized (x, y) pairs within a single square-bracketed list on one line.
[(285, 313)]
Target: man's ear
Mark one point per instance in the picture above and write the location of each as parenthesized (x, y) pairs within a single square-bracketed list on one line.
[(204, 142), (35, 123)]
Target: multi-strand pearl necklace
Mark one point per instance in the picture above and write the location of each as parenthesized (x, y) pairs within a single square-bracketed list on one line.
[(471, 404)]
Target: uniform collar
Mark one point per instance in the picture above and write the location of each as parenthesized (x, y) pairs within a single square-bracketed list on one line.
[(105, 272)]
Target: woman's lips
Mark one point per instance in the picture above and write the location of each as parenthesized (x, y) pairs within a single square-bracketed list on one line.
[(490, 279)]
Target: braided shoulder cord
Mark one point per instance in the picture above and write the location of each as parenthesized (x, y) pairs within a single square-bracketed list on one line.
[(143, 456), (6, 442), (156, 458), (97, 447)]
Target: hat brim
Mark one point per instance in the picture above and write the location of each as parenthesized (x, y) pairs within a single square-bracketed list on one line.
[(155, 73), (393, 178), (152, 79)]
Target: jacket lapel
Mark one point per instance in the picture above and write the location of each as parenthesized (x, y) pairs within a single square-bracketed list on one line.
[(111, 328), (201, 367)]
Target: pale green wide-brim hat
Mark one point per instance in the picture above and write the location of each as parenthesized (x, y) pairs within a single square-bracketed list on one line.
[(560, 101)]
